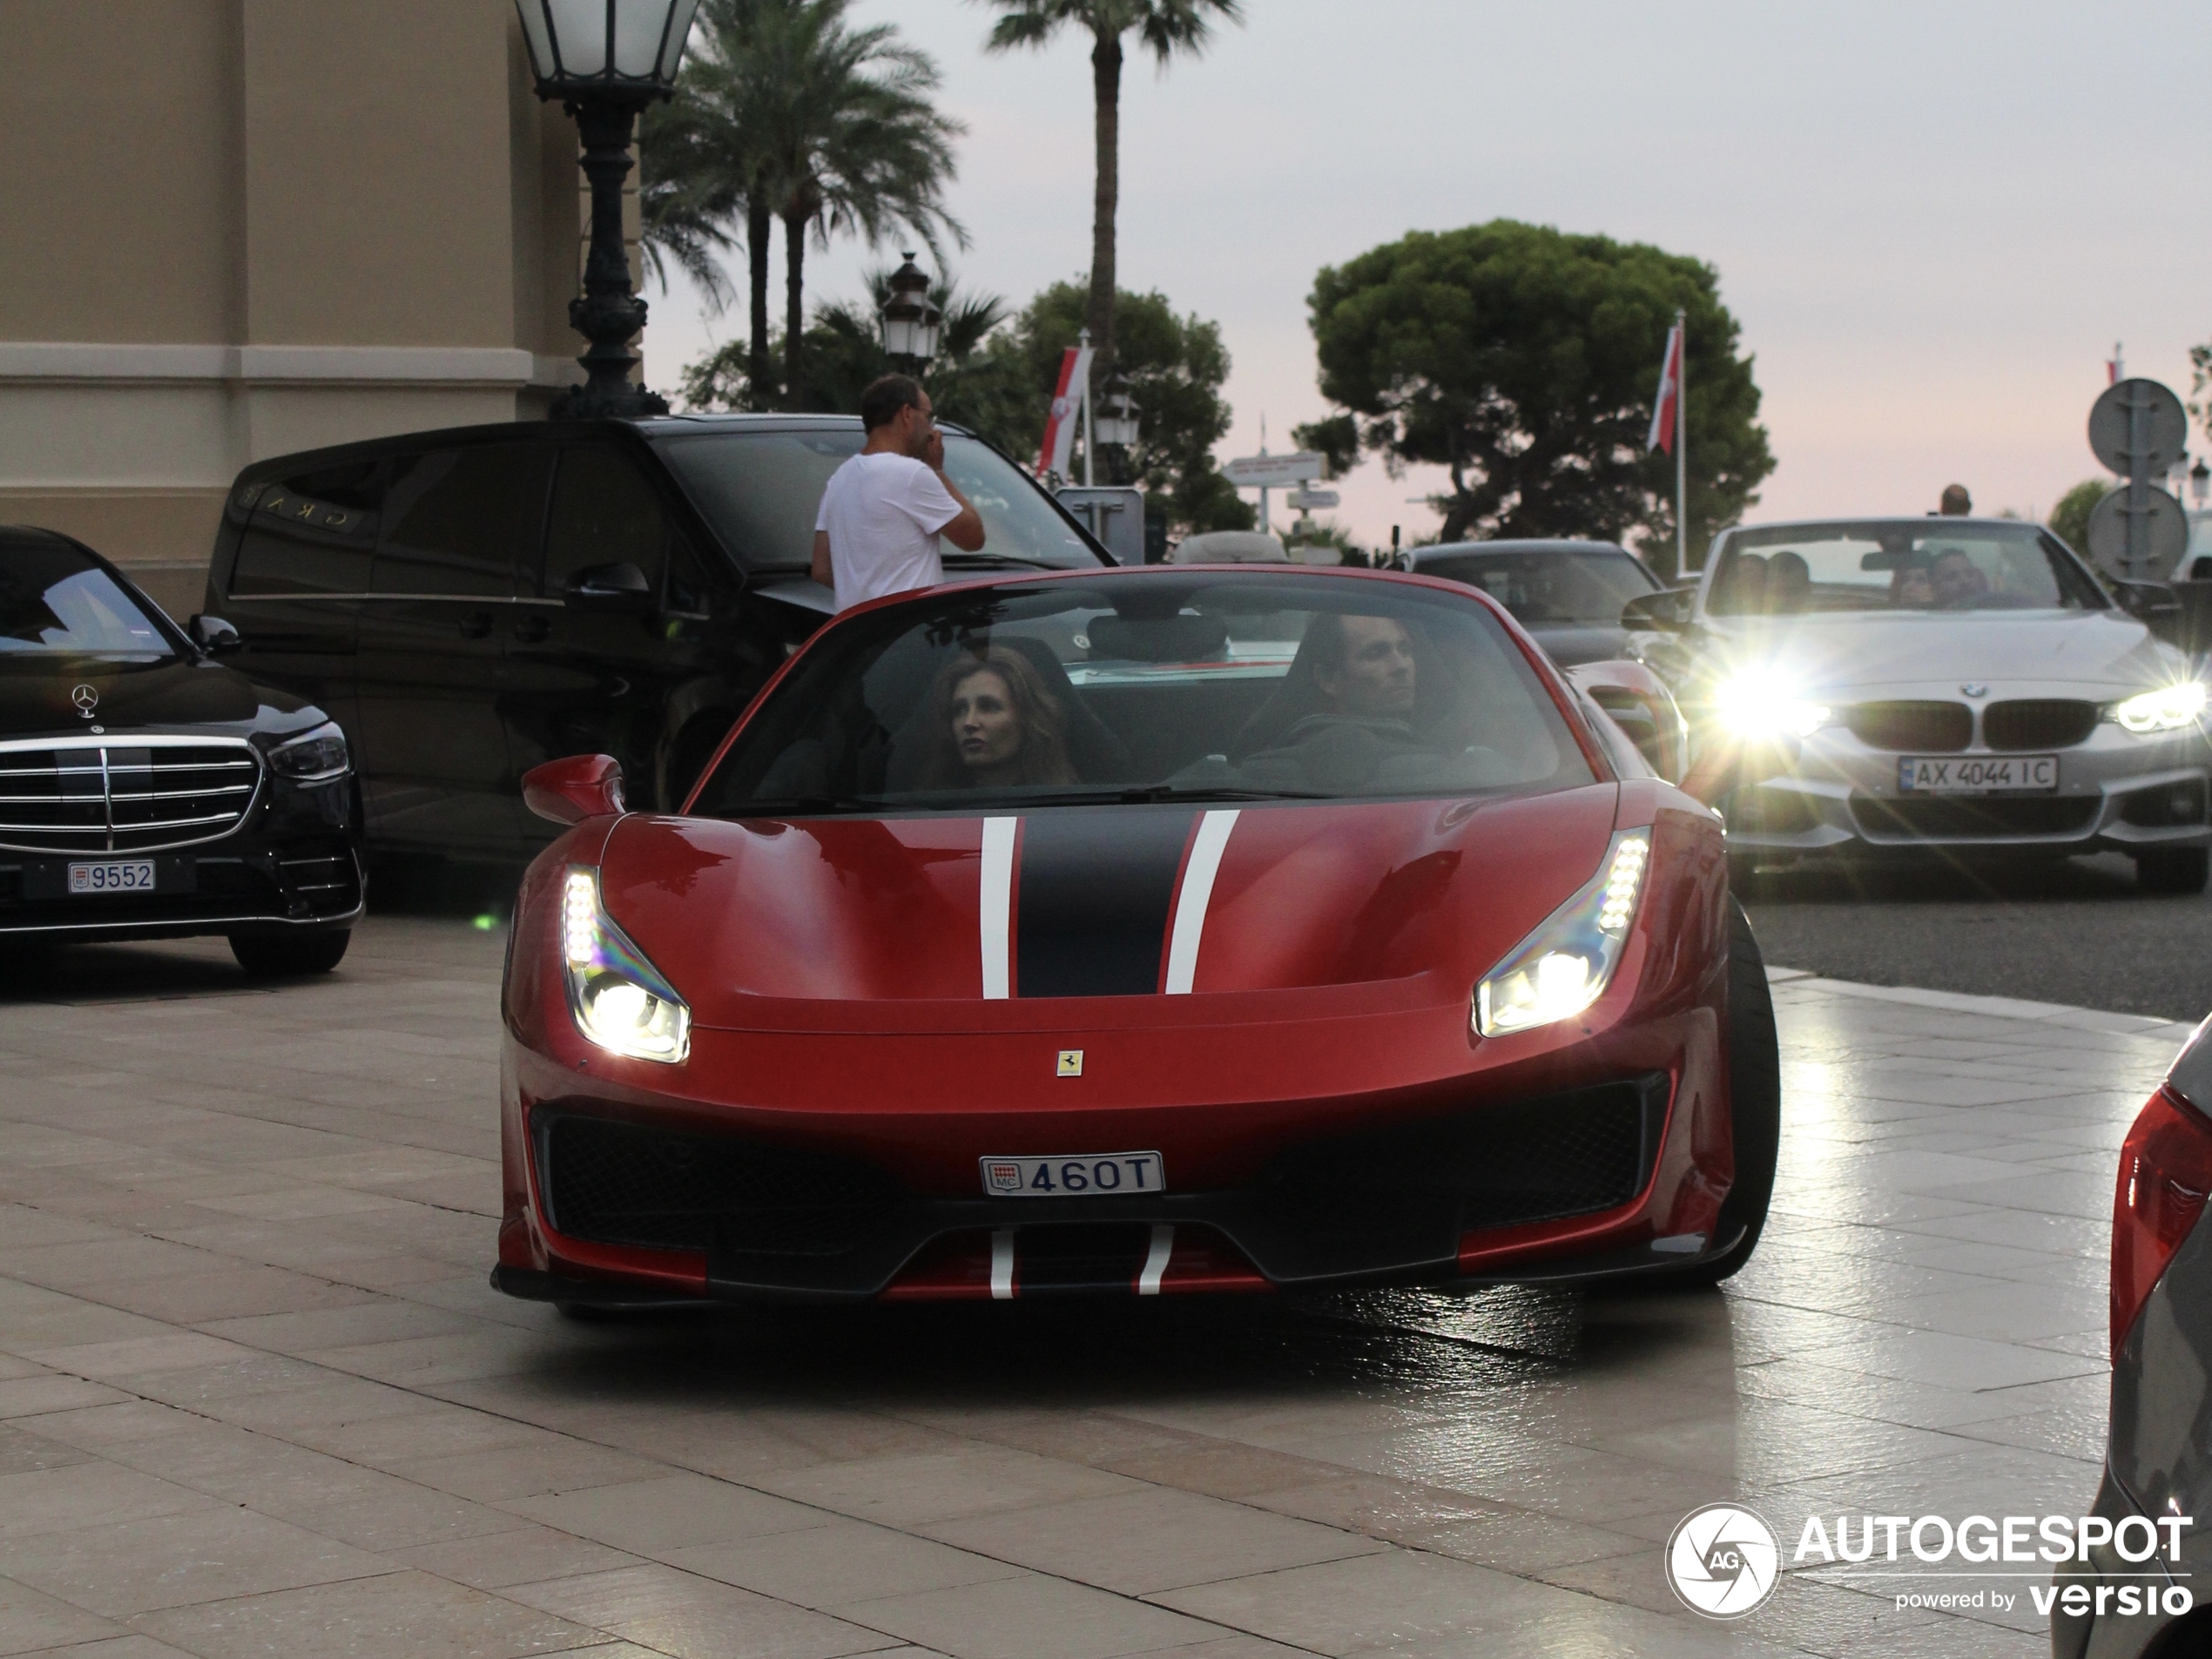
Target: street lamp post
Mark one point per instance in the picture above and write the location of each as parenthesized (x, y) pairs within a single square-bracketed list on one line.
[(605, 60), (2200, 482), (911, 320)]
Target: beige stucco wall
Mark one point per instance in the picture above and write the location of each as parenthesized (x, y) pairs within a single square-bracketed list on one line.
[(242, 227)]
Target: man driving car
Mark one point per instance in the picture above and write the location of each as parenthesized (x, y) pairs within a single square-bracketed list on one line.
[(1363, 667)]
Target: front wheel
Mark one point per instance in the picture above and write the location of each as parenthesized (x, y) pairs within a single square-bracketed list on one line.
[(1755, 1109), (2173, 869), (289, 956)]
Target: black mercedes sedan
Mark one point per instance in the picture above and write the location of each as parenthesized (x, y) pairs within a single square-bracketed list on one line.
[(148, 790)]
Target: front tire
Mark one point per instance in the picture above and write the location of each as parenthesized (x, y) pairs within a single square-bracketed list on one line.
[(2173, 869), (1755, 1111), (281, 957)]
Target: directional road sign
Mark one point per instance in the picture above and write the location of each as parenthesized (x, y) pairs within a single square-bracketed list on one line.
[(1307, 501), (1273, 472)]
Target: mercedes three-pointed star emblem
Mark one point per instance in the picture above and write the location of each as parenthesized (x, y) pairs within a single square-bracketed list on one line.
[(87, 699)]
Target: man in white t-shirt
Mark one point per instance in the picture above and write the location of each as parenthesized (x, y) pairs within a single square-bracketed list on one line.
[(884, 508)]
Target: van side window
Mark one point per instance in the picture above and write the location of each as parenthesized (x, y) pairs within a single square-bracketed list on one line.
[(463, 522), (309, 535), (604, 512)]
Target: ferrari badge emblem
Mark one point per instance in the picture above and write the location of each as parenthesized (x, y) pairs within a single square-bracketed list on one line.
[(1071, 1062), (87, 699)]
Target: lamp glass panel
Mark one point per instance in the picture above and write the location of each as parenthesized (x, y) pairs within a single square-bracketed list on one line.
[(926, 338), (640, 27), (679, 30), (580, 31), (540, 43), (899, 337)]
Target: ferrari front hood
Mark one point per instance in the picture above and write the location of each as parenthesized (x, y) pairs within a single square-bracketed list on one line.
[(1112, 912)]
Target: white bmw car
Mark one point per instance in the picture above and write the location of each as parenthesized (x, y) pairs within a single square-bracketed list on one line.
[(1967, 687)]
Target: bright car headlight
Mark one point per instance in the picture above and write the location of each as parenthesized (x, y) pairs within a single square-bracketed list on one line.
[(316, 756), (2168, 709), (1565, 965), (1760, 702), (617, 997)]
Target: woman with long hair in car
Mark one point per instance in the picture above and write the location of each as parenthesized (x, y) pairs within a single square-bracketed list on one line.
[(992, 723)]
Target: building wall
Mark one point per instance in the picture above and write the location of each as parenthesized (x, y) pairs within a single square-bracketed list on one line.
[(243, 227)]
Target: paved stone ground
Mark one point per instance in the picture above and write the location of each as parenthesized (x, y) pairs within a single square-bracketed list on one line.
[(257, 1398)]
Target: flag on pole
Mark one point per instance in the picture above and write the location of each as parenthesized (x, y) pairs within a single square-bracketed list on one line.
[(1066, 399), (1666, 407)]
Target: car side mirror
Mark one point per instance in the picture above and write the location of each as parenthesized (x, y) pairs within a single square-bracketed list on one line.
[(1666, 611), (1737, 763), (214, 636), (572, 789), (2146, 599), (611, 587)]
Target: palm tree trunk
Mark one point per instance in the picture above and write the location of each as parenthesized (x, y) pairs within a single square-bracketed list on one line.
[(759, 222), (1106, 91), (794, 305)]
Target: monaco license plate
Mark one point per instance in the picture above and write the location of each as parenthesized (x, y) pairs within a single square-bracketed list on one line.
[(1081, 1175), (1977, 774), (117, 875)]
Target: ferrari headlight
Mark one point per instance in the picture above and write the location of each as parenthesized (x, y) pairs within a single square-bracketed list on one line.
[(1760, 702), (1565, 965), (2168, 709), (317, 757), (617, 997)]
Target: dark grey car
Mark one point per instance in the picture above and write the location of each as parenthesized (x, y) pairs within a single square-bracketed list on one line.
[(2136, 1596), (1566, 593)]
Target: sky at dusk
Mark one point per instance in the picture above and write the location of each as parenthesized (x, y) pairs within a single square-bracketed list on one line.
[(1932, 220)]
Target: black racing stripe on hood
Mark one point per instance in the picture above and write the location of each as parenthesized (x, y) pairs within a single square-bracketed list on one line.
[(1093, 895)]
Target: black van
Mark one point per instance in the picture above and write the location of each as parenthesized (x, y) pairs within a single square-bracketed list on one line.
[(470, 603)]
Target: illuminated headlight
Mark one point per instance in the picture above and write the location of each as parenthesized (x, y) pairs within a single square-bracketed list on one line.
[(1762, 702), (317, 757), (618, 998), (2168, 709), (1565, 965)]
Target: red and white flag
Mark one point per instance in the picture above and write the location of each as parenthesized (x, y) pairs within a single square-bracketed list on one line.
[(1066, 399), (1667, 406)]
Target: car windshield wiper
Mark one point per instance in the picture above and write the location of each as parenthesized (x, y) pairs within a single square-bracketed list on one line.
[(807, 805), (958, 560)]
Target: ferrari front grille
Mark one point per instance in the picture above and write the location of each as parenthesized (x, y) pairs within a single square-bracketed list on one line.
[(1565, 1155), (1972, 818), (1913, 728), (141, 794), (611, 1183), (2038, 723)]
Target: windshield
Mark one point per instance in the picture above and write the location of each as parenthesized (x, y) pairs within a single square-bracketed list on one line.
[(760, 491), (54, 601), (1554, 585), (1151, 687), (1905, 564)]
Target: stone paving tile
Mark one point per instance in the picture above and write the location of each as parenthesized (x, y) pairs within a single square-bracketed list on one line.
[(254, 1395)]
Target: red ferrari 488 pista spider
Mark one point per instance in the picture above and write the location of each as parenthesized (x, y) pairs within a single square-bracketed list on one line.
[(1149, 931)]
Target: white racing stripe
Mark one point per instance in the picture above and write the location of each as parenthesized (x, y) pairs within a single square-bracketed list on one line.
[(1156, 1261), (996, 910), (1198, 892), (1002, 1264)]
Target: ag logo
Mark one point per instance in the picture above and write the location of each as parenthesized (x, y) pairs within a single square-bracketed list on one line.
[(86, 698), (1723, 1561)]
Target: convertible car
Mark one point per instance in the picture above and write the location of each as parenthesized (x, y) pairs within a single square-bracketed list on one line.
[(1961, 688), (1148, 931)]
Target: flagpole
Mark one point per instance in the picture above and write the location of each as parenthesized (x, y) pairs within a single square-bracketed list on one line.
[(1681, 447)]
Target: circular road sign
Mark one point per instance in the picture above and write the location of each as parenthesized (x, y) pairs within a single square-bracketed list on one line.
[(2165, 429), (2168, 537)]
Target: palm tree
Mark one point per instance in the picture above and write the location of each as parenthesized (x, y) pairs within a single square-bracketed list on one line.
[(786, 112), (1163, 27)]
